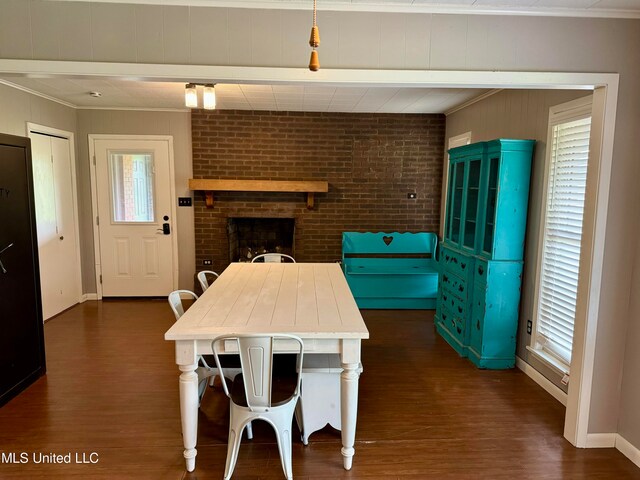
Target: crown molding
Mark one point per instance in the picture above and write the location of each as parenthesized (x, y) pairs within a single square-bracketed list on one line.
[(37, 94), (393, 8), (480, 97)]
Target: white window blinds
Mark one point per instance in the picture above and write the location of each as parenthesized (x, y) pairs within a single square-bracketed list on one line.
[(557, 290)]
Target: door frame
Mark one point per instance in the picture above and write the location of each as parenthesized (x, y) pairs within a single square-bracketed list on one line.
[(94, 201), (605, 90), (34, 128)]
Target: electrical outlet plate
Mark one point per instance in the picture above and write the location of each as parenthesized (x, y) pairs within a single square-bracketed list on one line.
[(529, 326), (206, 262)]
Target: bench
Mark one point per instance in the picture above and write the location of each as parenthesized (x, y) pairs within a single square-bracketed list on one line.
[(391, 270)]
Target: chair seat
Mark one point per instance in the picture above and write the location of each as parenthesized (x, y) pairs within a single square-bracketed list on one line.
[(226, 361)]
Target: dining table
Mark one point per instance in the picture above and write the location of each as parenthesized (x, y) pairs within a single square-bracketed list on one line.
[(310, 300)]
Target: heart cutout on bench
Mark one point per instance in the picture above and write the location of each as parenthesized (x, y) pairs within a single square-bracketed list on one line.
[(387, 240)]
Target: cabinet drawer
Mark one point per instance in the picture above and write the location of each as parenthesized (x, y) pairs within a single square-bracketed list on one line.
[(454, 324), (453, 302), (476, 325), (456, 262), (454, 283)]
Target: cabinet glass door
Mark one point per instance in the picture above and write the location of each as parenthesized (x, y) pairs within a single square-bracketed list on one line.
[(471, 210), (456, 202), (490, 212)]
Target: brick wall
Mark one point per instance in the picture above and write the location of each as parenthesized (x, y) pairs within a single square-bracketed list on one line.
[(371, 162)]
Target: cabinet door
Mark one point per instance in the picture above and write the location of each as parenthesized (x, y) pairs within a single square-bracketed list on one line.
[(456, 197), (489, 216), (472, 196), (21, 342)]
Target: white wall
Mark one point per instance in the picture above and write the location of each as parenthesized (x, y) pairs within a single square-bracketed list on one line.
[(127, 122), (32, 29)]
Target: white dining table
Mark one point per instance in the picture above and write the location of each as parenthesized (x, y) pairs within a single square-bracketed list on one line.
[(310, 300)]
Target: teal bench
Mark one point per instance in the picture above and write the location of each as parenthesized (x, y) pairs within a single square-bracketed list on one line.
[(391, 270)]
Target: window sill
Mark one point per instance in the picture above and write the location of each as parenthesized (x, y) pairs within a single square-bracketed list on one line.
[(549, 360)]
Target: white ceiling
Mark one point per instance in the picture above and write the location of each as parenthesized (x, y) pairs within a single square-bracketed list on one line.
[(537, 7), (170, 95)]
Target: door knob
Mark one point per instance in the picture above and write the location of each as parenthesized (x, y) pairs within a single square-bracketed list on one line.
[(61, 237)]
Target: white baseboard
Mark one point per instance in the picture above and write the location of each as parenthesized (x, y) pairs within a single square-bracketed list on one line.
[(541, 380), (601, 440), (628, 450), (88, 296)]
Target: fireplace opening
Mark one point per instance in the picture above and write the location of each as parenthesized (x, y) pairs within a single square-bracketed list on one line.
[(249, 237)]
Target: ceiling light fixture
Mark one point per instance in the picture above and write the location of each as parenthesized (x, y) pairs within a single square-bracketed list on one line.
[(208, 95), (314, 41)]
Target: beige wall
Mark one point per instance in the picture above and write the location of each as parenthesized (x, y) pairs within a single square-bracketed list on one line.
[(226, 36), (127, 122), (17, 108), (519, 114)]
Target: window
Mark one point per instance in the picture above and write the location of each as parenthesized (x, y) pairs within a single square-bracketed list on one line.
[(561, 236), (131, 187)]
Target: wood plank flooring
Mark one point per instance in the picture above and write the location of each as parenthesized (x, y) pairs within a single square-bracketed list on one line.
[(424, 413)]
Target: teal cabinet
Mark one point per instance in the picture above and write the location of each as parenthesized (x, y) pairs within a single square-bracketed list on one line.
[(480, 259)]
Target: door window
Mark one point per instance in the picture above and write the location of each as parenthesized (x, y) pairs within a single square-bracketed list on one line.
[(132, 192)]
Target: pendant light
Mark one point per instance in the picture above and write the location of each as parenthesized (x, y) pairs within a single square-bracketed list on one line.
[(209, 97), (314, 41), (191, 95)]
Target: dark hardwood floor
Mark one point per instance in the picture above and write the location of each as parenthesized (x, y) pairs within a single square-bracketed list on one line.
[(424, 413)]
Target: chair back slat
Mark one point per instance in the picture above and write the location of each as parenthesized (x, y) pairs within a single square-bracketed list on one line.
[(256, 360)]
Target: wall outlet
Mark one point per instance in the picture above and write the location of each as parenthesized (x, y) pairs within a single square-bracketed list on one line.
[(184, 201), (412, 195), (529, 326), (206, 262)]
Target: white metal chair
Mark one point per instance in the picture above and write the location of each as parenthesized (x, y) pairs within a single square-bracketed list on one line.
[(273, 258), (319, 403), (204, 281), (259, 393)]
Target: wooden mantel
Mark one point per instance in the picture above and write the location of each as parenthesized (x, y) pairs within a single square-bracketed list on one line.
[(209, 186)]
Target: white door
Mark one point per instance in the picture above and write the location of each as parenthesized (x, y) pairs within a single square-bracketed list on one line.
[(135, 216), (56, 222)]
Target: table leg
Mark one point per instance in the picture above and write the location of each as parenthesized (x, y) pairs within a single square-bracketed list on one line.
[(349, 410), (189, 413)]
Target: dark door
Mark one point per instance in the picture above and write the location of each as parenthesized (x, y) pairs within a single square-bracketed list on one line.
[(21, 331)]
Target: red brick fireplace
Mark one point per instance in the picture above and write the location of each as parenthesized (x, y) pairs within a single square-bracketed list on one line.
[(371, 161)]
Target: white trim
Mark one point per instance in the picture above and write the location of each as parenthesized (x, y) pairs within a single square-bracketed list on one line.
[(603, 119), (541, 380), (627, 449), (601, 440), (37, 94), (94, 200), (472, 101), (395, 8), (88, 296), (325, 76), (549, 360), (70, 136)]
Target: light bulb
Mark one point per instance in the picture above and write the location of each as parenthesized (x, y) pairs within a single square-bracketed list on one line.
[(190, 95), (209, 97)]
